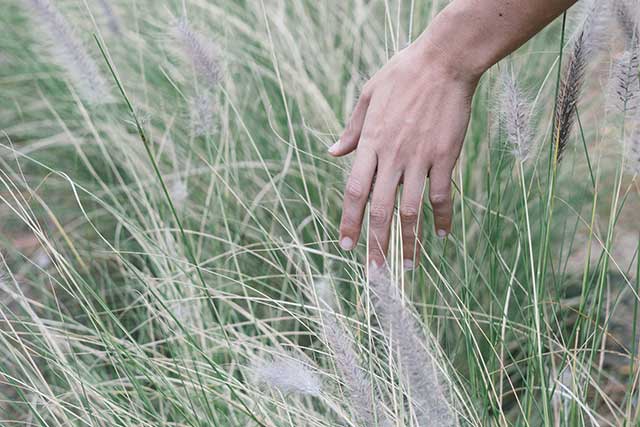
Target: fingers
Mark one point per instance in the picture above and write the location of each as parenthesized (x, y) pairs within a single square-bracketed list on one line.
[(381, 214), (349, 139), (356, 194), (440, 197), (410, 216)]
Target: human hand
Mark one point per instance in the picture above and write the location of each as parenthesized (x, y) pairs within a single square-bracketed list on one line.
[(409, 123)]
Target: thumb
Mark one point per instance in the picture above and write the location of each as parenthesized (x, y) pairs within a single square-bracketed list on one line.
[(351, 136)]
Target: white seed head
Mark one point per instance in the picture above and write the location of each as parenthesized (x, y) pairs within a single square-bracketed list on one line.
[(355, 379), (200, 53), (325, 293), (624, 85), (178, 191), (515, 114), (416, 352), (68, 52), (41, 258), (112, 20), (286, 374), (203, 110)]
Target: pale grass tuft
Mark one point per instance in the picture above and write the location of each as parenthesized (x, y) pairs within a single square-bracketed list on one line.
[(624, 86), (626, 13), (41, 258), (179, 191), (200, 53), (416, 353), (203, 57), (202, 111), (325, 292), (588, 39), (515, 113), (112, 20), (362, 397), (68, 51), (286, 374)]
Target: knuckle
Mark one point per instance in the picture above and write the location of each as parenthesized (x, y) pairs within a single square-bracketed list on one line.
[(354, 189), (348, 231), (442, 151), (439, 200), (378, 215), (408, 214), (350, 221), (372, 132), (375, 252)]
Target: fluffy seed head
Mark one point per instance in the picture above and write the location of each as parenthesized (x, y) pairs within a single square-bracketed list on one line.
[(203, 113), (200, 53), (624, 85), (360, 391), (586, 42), (112, 20), (178, 191), (419, 368), (68, 52), (287, 374), (515, 113), (325, 293), (626, 13)]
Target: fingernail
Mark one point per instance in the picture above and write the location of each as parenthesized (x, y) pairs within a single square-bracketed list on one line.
[(442, 234), (346, 243), (334, 147), (407, 264)]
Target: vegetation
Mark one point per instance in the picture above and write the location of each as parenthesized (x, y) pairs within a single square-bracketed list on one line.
[(169, 221)]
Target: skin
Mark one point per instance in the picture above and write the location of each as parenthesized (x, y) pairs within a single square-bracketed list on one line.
[(411, 119)]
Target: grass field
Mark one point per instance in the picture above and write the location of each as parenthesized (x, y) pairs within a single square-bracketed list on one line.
[(169, 223)]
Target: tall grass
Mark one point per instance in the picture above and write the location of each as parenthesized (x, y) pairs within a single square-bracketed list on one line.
[(169, 257)]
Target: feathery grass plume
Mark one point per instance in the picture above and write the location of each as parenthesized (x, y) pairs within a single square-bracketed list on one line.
[(202, 56), (202, 110), (200, 53), (68, 52), (324, 291), (515, 113), (178, 191), (286, 374), (419, 368), (41, 258), (627, 17), (624, 85), (112, 20), (362, 397), (585, 43)]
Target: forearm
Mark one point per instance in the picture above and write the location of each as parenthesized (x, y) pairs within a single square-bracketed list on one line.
[(470, 36)]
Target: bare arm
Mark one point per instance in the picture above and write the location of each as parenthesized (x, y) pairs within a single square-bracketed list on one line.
[(411, 119)]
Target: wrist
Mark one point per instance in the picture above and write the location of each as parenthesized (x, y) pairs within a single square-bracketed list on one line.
[(455, 42)]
